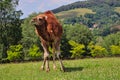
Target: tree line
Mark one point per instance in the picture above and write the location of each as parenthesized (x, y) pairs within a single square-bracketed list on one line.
[(18, 41), (87, 4)]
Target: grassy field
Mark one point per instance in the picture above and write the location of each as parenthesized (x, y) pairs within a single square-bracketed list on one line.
[(74, 13), (117, 9), (83, 69)]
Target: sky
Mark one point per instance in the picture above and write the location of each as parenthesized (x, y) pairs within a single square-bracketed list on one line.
[(30, 6)]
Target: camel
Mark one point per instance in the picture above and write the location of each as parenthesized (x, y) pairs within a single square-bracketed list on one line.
[(50, 31)]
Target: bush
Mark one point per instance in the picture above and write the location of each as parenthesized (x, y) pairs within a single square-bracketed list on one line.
[(35, 53), (97, 51), (77, 49), (115, 50), (112, 39), (15, 53), (4, 60)]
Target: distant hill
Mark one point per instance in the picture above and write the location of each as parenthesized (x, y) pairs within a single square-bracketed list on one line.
[(103, 13), (87, 4), (74, 13), (117, 9)]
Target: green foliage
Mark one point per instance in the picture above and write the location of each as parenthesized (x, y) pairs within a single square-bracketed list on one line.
[(87, 4), (15, 53), (104, 15), (115, 50), (1, 48), (77, 49), (79, 33), (112, 39), (117, 9), (34, 52), (77, 17), (97, 51), (74, 13), (65, 46), (28, 33), (10, 30)]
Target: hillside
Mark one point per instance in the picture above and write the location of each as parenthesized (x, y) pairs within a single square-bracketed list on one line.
[(87, 4), (117, 9), (74, 13), (103, 13)]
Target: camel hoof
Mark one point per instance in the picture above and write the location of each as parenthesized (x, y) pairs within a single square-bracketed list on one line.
[(54, 67), (47, 70), (42, 68), (63, 69)]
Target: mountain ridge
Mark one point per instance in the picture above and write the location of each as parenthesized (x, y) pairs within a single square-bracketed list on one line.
[(86, 4)]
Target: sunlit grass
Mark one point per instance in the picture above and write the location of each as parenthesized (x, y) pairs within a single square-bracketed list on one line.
[(74, 13), (117, 9), (83, 69)]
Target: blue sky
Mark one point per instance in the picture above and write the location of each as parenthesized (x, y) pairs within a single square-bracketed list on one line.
[(30, 6)]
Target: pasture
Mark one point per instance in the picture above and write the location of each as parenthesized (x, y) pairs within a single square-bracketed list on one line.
[(74, 13), (117, 9), (82, 69)]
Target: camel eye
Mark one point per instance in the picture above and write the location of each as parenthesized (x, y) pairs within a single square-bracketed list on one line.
[(40, 19)]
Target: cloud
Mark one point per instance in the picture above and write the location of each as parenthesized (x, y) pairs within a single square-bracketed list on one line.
[(41, 7)]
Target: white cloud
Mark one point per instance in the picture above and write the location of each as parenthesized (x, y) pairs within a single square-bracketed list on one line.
[(41, 7)]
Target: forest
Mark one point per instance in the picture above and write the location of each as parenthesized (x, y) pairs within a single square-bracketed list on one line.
[(85, 36)]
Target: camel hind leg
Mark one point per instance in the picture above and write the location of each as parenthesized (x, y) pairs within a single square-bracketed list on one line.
[(59, 58)]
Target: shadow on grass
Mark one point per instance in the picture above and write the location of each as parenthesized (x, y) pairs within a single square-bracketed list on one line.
[(72, 69)]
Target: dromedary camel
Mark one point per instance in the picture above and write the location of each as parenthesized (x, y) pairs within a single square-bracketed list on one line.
[(48, 28)]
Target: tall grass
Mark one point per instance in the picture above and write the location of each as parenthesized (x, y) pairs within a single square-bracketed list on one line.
[(85, 69)]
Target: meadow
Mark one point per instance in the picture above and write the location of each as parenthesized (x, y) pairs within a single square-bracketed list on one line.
[(117, 9), (81, 69), (74, 13)]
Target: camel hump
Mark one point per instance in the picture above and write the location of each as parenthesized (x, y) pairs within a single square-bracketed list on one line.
[(49, 12)]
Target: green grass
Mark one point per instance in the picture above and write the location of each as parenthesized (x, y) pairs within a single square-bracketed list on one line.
[(83, 69), (74, 13)]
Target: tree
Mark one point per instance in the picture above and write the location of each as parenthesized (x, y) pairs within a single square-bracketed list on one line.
[(28, 32), (80, 34), (65, 46), (112, 39), (10, 30)]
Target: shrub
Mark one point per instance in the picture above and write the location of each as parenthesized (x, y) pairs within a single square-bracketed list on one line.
[(35, 53), (15, 53), (112, 39), (77, 49), (115, 50), (97, 51)]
